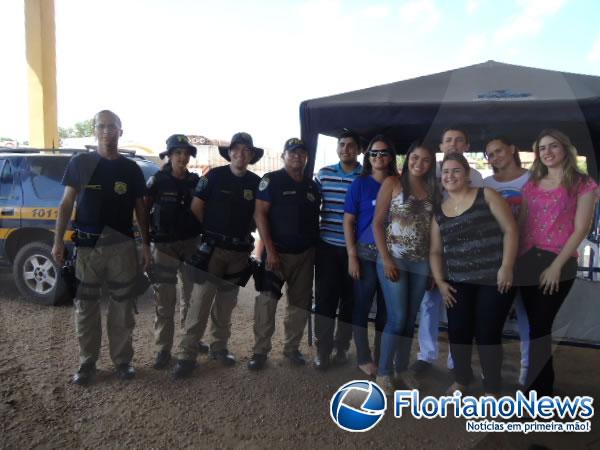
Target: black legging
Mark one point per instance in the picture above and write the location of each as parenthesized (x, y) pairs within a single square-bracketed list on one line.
[(480, 313), (541, 311)]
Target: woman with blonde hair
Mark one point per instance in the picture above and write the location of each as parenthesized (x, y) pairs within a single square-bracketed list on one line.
[(555, 217)]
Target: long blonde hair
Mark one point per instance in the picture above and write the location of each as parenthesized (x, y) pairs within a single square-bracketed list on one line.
[(571, 173)]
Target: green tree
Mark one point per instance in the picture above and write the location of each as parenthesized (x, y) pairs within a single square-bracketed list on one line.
[(85, 128)]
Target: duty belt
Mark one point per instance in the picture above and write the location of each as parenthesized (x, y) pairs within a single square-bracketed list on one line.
[(229, 242), (85, 239)]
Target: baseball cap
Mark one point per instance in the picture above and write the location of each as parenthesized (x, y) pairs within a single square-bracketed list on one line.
[(294, 144)]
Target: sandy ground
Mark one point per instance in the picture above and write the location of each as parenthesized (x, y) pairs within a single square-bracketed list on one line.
[(281, 407)]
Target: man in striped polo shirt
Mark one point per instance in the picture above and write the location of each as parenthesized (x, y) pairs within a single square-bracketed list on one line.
[(333, 285)]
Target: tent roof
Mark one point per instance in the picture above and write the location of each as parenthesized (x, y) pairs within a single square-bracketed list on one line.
[(487, 99)]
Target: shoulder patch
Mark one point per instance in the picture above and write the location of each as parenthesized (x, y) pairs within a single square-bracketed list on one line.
[(150, 182), (264, 183)]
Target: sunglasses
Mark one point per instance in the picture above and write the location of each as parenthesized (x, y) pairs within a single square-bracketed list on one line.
[(379, 153)]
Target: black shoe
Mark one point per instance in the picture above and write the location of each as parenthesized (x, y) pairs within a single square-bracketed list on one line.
[(226, 358), (183, 368), (339, 358), (125, 371), (257, 362), (162, 360), (203, 348), (84, 374), (420, 368), (321, 362), (296, 358)]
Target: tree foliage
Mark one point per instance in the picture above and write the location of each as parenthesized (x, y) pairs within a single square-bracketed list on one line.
[(84, 128)]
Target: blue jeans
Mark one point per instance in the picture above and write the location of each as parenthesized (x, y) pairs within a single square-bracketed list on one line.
[(365, 290), (402, 302)]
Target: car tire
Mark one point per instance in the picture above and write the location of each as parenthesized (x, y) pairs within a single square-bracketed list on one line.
[(37, 275)]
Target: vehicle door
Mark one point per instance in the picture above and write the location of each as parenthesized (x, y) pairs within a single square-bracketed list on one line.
[(10, 202)]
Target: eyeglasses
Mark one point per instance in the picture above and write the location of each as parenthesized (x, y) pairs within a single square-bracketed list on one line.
[(379, 153)]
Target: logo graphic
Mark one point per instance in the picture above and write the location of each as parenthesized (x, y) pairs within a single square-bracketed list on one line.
[(248, 194), (358, 406), (503, 94), (120, 187)]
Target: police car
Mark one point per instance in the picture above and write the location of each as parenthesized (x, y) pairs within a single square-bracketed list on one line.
[(30, 191)]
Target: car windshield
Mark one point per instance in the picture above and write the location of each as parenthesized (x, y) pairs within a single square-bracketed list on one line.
[(46, 175)]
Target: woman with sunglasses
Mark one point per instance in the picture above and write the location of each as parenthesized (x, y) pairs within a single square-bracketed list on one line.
[(402, 229), (472, 252), (378, 164), (556, 214)]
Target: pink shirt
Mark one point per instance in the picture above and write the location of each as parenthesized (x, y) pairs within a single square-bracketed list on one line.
[(550, 217)]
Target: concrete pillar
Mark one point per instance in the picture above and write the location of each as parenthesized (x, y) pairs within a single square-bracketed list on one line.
[(41, 72)]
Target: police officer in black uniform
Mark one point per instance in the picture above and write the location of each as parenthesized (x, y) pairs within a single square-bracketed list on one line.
[(107, 187), (174, 232), (224, 203), (287, 216)]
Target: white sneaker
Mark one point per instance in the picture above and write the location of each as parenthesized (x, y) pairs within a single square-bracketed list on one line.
[(386, 384), (457, 387)]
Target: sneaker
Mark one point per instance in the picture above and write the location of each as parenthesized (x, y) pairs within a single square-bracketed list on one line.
[(183, 368), (408, 380), (321, 362), (85, 374), (203, 348), (125, 371), (226, 358), (386, 384), (162, 360), (369, 369), (295, 357), (257, 361), (420, 367)]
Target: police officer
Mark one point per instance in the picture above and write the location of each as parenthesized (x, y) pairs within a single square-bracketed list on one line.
[(108, 188), (173, 231), (224, 203), (287, 216)]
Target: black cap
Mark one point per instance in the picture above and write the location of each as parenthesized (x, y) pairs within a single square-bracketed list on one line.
[(294, 144), (245, 139), (178, 141)]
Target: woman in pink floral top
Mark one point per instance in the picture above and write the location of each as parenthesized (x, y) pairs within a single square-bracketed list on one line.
[(557, 210)]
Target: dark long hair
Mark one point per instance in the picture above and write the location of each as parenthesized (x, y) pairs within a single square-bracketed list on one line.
[(508, 142), (368, 168), (430, 178)]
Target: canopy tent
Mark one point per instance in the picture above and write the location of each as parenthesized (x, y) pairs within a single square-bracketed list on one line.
[(486, 99)]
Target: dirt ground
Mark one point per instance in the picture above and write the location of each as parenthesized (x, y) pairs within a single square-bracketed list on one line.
[(280, 407)]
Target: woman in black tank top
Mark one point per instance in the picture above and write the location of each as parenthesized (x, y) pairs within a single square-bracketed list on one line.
[(472, 253)]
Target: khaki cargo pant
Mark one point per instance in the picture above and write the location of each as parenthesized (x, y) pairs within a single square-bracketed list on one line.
[(213, 297), (297, 270), (116, 266), (168, 260)]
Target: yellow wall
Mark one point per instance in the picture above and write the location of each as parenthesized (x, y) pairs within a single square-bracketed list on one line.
[(41, 61)]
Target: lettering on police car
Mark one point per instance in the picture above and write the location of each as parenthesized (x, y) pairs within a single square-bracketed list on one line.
[(264, 183), (120, 187)]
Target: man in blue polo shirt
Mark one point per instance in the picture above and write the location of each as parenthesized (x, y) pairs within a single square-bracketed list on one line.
[(333, 285)]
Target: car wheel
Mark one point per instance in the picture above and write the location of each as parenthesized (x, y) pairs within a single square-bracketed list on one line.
[(37, 276)]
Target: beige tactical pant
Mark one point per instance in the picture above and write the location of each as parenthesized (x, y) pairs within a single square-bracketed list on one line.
[(297, 271), (213, 297), (116, 266), (168, 260)]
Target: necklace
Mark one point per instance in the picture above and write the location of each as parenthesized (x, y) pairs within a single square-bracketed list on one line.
[(458, 206)]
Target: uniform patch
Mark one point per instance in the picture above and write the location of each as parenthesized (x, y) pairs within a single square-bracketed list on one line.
[(310, 196), (120, 187), (150, 182), (94, 187), (264, 183), (248, 194), (202, 183)]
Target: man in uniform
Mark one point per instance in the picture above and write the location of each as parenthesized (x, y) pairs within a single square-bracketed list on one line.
[(174, 233), (453, 140), (287, 217), (108, 188), (333, 284), (224, 204)]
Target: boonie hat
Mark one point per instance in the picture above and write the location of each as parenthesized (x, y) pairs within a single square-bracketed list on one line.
[(245, 139)]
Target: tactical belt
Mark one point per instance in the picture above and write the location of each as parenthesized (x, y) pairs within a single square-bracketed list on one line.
[(85, 239), (228, 242)]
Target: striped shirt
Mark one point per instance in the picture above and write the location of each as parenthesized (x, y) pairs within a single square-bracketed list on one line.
[(334, 183)]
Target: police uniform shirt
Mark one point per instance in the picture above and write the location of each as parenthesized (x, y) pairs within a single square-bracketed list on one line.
[(107, 190), (229, 202), (293, 210), (172, 219)]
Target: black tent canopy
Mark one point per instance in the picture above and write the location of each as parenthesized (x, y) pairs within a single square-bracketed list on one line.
[(487, 99)]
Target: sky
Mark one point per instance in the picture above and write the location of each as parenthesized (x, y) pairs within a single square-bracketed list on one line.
[(213, 68)]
